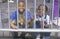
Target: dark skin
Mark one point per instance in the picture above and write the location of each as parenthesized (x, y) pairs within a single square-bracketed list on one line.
[(21, 8)]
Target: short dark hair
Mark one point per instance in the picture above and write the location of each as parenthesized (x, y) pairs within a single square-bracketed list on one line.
[(46, 8)]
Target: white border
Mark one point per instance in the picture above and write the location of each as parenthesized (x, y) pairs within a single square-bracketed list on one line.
[(32, 30)]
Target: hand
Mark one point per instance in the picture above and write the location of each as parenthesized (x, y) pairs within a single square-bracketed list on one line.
[(15, 27), (33, 17), (57, 22), (46, 26), (41, 23)]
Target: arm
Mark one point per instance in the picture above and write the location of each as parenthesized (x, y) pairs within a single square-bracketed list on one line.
[(47, 21), (56, 22), (12, 25), (28, 17), (46, 24), (12, 22)]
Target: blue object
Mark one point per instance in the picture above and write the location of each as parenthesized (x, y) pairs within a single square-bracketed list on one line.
[(14, 15)]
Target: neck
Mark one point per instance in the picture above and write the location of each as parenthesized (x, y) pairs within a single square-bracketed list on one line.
[(21, 12), (40, 15)]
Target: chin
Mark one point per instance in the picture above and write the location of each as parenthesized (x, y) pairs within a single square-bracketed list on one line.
[(21, 11)]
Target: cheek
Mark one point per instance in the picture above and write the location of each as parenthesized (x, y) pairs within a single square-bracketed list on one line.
[(38, 11), (42, 11), (20, 8)]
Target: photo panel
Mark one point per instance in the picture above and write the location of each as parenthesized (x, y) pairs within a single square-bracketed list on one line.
[(21, 14), (55, 15), (49, 13), (40, 12), (12, 10), (0, 19), (4, 14), (59, 14), (53, 12), (30, 13)]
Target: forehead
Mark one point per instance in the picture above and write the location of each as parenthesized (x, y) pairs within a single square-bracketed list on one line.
[(41, 6), (21, 3)]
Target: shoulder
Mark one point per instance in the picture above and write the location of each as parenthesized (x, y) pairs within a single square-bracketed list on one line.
[(27, 12), (14, 13), (47, 16)]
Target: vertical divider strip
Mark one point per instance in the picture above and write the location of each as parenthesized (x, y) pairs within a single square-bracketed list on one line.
[(43, 14), (17, 15), (34, 14), (52, 14), (26, 14), (0, 18), (58, 15), (8, 14)]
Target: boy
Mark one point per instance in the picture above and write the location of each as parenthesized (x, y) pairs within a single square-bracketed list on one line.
[(21, 19)]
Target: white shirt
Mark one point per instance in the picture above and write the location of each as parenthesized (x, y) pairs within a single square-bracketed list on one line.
[(46, 19)]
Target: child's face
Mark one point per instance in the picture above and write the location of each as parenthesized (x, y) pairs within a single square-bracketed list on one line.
[(41, 10), (21, 6)]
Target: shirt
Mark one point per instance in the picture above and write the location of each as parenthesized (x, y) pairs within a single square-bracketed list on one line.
[(44, 18), (13, 16)]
